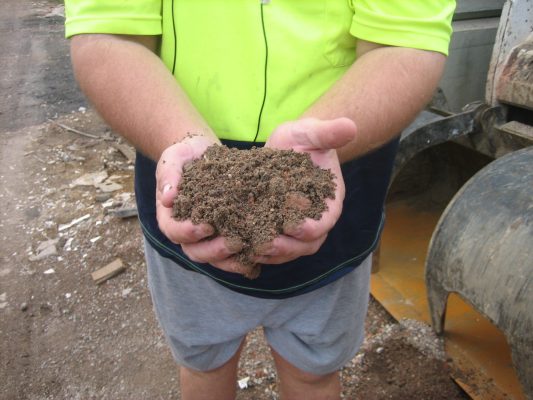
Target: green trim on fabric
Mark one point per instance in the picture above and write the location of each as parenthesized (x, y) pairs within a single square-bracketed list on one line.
[(193, 266)]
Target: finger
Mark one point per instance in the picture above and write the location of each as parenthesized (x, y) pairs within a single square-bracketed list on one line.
[(285, 248), (311, 229), (212, 251), (171, 163), (169, 193), (168, 172), (231, 264), (311, 133), (180, 232)]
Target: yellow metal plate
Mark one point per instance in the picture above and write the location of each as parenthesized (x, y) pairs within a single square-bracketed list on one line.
[(477, 348)]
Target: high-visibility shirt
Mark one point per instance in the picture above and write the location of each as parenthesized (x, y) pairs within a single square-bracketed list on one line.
[(248, 66)]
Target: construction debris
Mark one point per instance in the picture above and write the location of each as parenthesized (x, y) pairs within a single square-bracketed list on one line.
[(108, 186), (68, 128), (73, 222), (45, 249), (99, 180), (123, 212), (90, 179), (243, 383), (3, 302), (102, 197), (110, 270), (95, 239), (126, 150)]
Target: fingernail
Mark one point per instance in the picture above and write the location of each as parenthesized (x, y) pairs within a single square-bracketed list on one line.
[(167, 188)]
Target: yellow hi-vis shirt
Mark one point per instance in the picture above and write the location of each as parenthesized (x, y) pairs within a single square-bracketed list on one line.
[(250, 65)]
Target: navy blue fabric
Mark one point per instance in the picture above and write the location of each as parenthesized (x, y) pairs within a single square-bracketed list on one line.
[(350, 241)]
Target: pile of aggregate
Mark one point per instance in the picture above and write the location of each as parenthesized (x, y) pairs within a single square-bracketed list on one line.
[(250, 196)]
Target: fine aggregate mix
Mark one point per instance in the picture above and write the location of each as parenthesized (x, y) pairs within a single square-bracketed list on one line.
[(251, 196)]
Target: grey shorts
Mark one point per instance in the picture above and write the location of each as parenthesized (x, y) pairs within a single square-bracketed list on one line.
[(205, 323)]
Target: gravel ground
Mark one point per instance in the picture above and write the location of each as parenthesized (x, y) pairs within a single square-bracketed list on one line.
[(65, 337)]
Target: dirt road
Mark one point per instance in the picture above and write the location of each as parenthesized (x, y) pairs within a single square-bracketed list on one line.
[(61, 335), (36, 81)]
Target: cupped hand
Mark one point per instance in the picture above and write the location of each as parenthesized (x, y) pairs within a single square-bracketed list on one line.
[(319, 138), (194, 238)]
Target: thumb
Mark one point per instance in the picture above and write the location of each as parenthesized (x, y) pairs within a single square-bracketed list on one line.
[(168, 193), (168, 175), (312, 133)]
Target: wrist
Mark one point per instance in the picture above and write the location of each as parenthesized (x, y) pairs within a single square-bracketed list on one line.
[(198, 138), (190, 146)]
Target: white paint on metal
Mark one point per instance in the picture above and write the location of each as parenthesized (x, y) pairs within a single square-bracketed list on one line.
[(516, 24)]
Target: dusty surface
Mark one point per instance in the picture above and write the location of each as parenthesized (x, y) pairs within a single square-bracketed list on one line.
[(251, 196), (36, 78), (64, 337)]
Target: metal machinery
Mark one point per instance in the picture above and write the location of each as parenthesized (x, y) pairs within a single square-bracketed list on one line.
[(464, 179)]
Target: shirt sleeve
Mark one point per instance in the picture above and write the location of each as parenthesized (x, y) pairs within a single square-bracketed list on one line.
[(420, 24), (139, 17)]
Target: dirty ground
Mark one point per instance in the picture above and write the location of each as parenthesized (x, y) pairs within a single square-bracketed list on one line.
[(64, 195)]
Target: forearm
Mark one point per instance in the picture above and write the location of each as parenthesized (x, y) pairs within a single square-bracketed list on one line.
[(382, 93), (134, 92)]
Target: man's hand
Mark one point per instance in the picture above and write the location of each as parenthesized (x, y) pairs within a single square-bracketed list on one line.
[(218, 251), (319, 138), (168, 174)]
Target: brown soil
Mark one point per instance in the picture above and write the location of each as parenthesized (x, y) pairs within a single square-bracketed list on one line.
[(403, 372), (250, 196)]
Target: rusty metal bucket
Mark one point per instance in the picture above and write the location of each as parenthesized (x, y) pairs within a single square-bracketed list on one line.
[(475, 344), (482, 249)]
